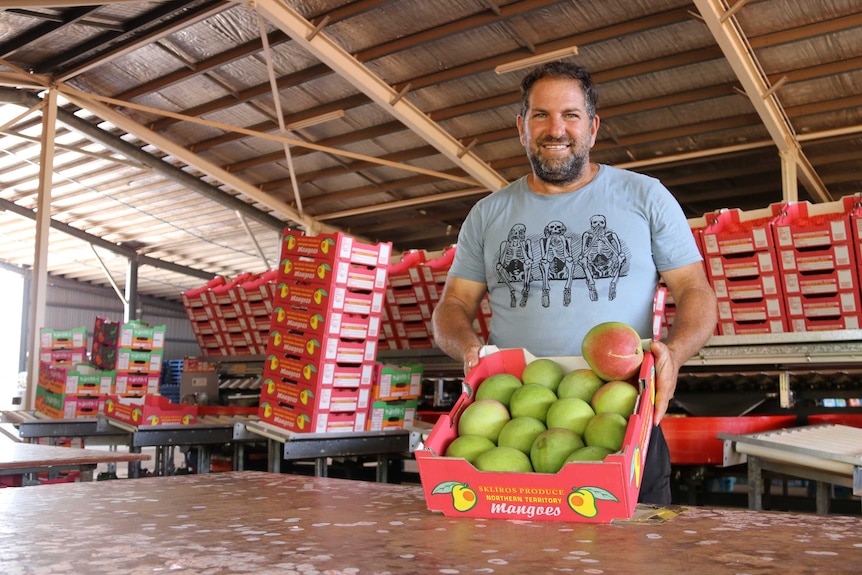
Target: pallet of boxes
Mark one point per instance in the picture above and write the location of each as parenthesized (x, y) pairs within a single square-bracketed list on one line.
[(134, 351), (324, 330)]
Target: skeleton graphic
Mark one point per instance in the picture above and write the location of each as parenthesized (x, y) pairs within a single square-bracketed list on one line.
[(515, 261), (601, 256), (557, 261)]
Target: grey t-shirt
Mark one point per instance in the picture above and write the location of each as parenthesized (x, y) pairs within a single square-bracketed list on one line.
[(555, 265)]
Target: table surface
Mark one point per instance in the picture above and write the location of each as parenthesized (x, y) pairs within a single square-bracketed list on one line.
[(31, 455), (265, 523)]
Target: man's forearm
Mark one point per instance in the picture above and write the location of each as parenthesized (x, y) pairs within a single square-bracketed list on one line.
[(453, 330), (693, 324)]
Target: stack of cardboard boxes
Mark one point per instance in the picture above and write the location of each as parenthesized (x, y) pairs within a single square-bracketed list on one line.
[(324, 331), (818, 264), (415, 286), (742, 266), (231, 318), (68, 387)]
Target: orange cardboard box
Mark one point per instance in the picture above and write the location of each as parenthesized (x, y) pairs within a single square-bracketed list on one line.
[(335, 247), (67, 405), (613, 482), (149, 410), (62, 339)]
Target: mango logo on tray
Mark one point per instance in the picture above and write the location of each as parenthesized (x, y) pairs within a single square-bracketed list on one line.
[(464, 498), (153, 420), (267, 409), (290, 240), (582, 500), (305, 395), (283, 289), (287, 266), (326, 244), (302, 420)]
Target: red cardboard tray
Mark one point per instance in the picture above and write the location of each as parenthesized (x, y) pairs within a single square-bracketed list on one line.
[(614, 482)]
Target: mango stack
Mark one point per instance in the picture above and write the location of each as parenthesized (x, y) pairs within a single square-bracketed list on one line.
[(324, 332)]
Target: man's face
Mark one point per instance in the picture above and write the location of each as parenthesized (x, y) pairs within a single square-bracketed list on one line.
[(557, 133)]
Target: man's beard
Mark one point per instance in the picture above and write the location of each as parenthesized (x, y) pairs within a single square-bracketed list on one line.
[(558, 170)]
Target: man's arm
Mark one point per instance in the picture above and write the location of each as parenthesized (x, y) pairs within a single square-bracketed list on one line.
[(693, 324), (453, 320)]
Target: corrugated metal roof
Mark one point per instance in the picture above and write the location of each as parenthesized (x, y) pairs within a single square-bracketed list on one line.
[(206, 191)]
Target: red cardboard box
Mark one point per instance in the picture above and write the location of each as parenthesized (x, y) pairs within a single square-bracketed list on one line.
[(733, 231), (614, 482), (825, 258), (405, 272), (824, 283), (149, 410), (803, 225), (318, 372), (841, 303), (825, 323), (348, 326), (333, 274), (335, 247), (311, 399), (742, 266), (290, 294), (764, 286), (287, 417)]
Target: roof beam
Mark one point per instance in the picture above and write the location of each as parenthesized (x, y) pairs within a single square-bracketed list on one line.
[(317, 43), (740, 56)]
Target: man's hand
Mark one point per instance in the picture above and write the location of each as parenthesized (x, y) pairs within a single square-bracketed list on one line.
[(471, 359), (666, 372)]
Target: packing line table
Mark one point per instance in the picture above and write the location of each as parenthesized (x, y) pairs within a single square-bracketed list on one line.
[(259, 522), (29, 459), (827, 454), (319, 447), (208, 432)]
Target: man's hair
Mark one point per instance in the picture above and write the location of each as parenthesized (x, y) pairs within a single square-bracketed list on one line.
[(565, 71)]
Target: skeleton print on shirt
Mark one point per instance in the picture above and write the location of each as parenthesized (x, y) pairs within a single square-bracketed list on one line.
[(557, 257)]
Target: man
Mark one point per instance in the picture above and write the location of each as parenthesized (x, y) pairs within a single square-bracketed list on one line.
[(594, 239)]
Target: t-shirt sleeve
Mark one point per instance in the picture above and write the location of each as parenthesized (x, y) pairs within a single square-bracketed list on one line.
[(469, 261), (673, 243)]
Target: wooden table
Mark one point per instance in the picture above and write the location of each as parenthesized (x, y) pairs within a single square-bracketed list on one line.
[(28, 459), (257, 522)]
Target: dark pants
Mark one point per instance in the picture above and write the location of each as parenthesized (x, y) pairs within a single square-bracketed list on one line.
[(655, 487)]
